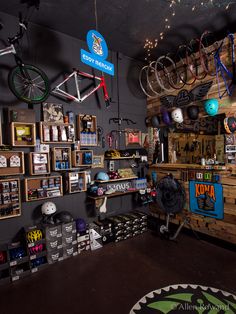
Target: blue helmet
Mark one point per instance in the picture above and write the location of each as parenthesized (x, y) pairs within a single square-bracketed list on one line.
[(103, 176), (211, 106)]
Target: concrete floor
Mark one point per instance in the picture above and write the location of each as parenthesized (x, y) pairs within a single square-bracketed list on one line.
[(111, 280)]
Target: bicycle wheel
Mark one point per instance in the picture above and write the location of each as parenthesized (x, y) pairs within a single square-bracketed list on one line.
[(174, 77), (193, 61), (29, 84)]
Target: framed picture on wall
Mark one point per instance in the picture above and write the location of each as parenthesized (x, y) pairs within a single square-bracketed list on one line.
[(98, 161), (133, 137), (52, 112)]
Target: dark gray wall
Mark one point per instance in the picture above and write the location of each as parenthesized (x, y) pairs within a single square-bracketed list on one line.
[(57, 53)]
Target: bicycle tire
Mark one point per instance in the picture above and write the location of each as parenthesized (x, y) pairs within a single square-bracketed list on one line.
[(204, 55), (159, 79), (144, 68), (29, 84), (150, 67)]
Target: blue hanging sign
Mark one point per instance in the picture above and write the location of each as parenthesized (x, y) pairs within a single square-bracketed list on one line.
[(206, 198), (96, 58)]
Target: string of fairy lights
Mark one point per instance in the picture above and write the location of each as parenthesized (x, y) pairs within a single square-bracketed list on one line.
[(195, 6)]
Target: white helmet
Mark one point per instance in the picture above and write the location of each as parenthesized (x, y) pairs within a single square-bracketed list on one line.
[(48, 208), (177, 115)]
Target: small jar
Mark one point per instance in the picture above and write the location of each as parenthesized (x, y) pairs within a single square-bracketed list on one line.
[(203, 161)]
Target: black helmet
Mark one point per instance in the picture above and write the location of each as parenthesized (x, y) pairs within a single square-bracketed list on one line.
[(155, 121), (62, 217), (193, 112)]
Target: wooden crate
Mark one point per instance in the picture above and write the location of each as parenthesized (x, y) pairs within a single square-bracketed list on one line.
[(10, 196), (38, 188), (76, 182), (46, 128), (89, 138), (20, 132), (78, 158), (33, 165), (61, 158), (14, 162)]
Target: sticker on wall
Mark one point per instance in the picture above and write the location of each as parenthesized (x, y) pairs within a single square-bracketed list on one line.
[(206, 199), (96, 58)]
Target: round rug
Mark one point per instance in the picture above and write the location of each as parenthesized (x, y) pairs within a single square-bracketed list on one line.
[(186, 298)]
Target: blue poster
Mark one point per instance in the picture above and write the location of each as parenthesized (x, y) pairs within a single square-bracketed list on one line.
[(96, 58), (206, 198)]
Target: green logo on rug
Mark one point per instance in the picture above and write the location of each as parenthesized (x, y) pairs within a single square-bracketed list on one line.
[(192, 299)]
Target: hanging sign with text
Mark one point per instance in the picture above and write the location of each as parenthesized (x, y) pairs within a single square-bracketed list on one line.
[(98, 54)]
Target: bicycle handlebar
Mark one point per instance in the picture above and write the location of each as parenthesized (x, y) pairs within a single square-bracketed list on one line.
[(20, 33)]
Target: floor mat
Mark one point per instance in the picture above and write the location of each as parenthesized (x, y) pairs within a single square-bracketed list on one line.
[(186, 298)]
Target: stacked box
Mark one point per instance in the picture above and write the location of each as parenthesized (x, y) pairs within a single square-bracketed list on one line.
[(143, 221), (95, 237), (19, 260), (54, 246), (118, 228), (69, 239), (106, 232), (83, 241)]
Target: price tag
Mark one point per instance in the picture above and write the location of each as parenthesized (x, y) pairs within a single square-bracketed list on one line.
[(32, 257), (31, 244), (34, 270), (13, 263), (15, 278)]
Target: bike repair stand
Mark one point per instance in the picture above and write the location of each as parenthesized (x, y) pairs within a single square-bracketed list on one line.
[(164, 229)]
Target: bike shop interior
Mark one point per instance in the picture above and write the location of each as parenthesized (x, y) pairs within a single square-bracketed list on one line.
[(117, 156)]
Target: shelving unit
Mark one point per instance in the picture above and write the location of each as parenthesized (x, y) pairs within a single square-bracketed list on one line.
[(10, 197), (82, 158), (114, 180), (61, 158), (56, 133), (38, 188), (39, 163), (87, 134), (23, 134), (112, 195), (11, 163), (76, 182)]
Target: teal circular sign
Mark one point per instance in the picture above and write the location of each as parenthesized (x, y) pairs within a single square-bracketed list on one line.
[(97, 44)]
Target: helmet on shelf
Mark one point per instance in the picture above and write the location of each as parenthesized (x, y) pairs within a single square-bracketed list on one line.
[(3, 257), (63, 217), (155, 121), (113, 153), (193, 112), (211, 106), (17, 253), (177, 115), (34, 235), (166, 117), (81, 225), (230, 124), (102, 176), (48, 208), (36, 248)]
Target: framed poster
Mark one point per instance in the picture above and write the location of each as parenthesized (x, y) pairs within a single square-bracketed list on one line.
[(52, 112), (98, 161), (133, 137), (206, 198)]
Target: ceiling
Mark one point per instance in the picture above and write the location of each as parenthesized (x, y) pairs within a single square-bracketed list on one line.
[(126, 24)]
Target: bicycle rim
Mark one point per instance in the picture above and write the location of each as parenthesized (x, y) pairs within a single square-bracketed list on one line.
[(143, 75), (206, 54), (164, 84), (185, 75), (174, 78), (193, 65), (29, 84), (151, 80)]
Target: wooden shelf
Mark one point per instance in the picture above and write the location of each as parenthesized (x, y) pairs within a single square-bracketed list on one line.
[(58, 159), (112, 195), (76, 182), (14, 162), (78, 158), (39, 188), (117, 158), (6, 209), (45, 131), (93, 141), (114, 180), (32, 164), (21, 131)]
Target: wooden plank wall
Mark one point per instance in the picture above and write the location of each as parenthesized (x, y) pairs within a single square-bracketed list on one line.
[(223, 229)]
